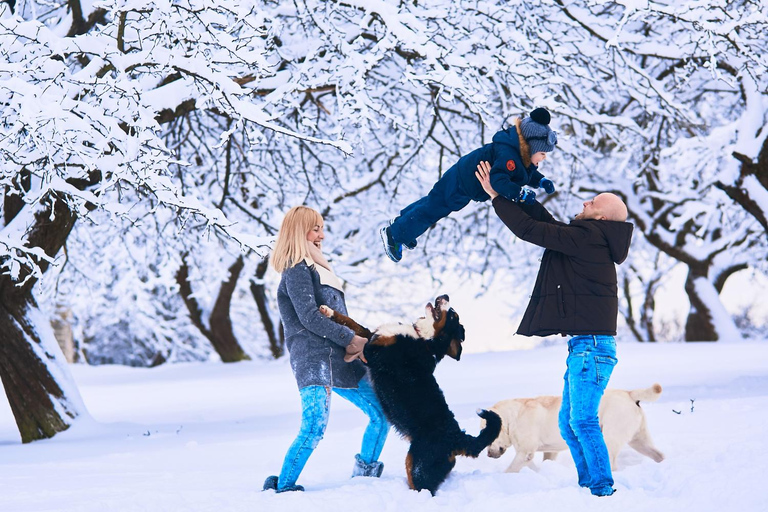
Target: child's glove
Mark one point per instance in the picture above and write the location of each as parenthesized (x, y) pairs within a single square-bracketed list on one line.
[(547, 185), (526, 196)]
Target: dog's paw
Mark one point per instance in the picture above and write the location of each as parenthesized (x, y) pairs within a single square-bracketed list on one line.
[(326, 311)]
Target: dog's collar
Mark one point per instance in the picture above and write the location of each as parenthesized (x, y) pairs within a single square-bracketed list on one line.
[(418, 333)]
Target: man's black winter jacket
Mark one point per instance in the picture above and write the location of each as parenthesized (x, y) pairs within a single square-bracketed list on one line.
[(576, 289)]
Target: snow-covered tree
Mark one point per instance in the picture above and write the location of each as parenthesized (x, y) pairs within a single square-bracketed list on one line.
[(690, 79), (84, 95), (190, 121)]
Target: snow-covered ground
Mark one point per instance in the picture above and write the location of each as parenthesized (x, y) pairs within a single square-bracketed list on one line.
[(199, 437)]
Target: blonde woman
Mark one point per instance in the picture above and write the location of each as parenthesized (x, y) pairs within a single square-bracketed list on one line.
[(318, 346)]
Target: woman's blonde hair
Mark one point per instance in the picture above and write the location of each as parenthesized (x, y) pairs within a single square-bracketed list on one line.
[(291, 246)]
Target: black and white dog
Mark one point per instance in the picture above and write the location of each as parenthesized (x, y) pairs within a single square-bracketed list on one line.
[(402, 359)]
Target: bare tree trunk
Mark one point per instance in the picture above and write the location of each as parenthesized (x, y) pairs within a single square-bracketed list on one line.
[(219, 332), (629, 315), (648, 309), (258, 290), (36, 380), (221, 324)]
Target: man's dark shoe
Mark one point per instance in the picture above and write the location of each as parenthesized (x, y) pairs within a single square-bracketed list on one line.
[(603, 491), (393, 250), (299, 488)]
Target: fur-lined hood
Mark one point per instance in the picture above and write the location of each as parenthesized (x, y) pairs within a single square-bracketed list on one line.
[(516, 140), (525, 149)]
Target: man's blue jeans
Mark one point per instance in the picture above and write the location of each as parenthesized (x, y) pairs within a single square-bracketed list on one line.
[(315, 406), (591, 360)]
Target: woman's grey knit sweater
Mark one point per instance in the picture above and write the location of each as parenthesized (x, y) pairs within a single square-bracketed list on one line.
[(316, 344)]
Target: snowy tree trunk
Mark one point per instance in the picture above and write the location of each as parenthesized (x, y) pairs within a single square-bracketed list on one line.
[(647, 310), (221, 323), (642, 328), (259, 292), (40, 391), (750, 190), (707, 319), (62, 331), (628, 313), (13, 202), (698, 325), (219, 332)]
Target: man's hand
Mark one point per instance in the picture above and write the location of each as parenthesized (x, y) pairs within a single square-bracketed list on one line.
[(483, 175), (526, 196), (355, 349), (547, 185)]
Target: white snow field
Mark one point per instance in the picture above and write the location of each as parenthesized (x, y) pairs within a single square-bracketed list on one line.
[(203, 436)]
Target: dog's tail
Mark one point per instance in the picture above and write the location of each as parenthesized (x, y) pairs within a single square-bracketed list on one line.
[(650, 394), (474, 445)]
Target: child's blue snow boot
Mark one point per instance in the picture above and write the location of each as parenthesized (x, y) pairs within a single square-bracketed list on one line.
[(393, 249)]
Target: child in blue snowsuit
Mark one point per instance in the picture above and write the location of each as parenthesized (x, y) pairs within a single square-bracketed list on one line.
[(514, 155)]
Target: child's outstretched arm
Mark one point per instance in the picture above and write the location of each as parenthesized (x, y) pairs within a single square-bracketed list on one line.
[(538, 180), (534, 209), (506, 176), (535, 180), (503, 184)]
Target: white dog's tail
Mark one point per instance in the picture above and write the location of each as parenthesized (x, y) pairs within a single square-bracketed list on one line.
[(650, 394)]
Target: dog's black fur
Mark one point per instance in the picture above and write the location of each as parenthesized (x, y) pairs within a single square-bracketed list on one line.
[(401, 369)]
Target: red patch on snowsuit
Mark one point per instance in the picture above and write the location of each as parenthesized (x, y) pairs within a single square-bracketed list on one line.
[(510, 165)]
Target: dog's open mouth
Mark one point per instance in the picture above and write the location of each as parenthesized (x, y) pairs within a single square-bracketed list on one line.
[(441, 304), (433, 311)]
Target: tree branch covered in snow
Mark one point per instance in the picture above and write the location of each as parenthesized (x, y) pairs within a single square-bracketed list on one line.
[(196, 125)]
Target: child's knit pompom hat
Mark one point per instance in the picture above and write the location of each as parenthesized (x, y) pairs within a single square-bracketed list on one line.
[(537, 133)]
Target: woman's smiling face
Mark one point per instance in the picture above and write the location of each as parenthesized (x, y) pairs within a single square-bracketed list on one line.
[(316, 236)]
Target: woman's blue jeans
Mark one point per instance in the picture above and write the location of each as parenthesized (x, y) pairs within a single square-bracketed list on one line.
[(315, 406), (591, 360)]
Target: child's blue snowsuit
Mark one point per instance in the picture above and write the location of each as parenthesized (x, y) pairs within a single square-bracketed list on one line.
[(459, 185)]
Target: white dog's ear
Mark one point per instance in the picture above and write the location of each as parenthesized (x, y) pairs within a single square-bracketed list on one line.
[(504, 424), (506, 428)]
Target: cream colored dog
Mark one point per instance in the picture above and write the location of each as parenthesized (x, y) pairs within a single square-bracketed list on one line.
[(530, 426)]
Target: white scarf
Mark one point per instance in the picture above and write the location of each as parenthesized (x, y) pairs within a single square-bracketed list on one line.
[(327, 277)]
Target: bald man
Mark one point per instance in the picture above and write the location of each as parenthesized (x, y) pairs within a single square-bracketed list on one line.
[(576, 294)]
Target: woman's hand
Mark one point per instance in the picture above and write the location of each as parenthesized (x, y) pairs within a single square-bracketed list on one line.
[(355, 349), (484, 177)]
